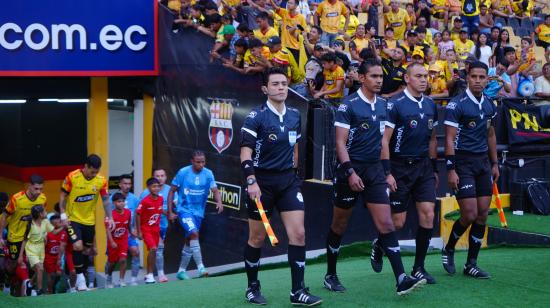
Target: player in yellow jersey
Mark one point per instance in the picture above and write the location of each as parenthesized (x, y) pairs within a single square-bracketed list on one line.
[(14, 217), (77, 202), (398, 19)]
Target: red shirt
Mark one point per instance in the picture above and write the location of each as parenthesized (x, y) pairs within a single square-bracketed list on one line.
[(150, 211), (122, 223), (53, 242)]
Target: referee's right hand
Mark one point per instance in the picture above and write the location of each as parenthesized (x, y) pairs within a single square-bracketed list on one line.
[(254, 191), (355, 182)]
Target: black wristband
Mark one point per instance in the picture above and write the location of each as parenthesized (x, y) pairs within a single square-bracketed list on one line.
[(247, 167), (434, 164), (450, 162), (494, 163), (386, 165), (348, 168)]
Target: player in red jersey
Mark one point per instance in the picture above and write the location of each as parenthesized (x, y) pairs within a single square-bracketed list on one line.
[(55, 248), (117, 248), (148, 224)]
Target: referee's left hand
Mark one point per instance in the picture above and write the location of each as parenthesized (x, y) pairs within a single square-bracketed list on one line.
[(254, 191), (495, 172)]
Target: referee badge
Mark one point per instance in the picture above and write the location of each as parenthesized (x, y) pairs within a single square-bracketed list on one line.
[(292, 137), (413, 124), (365, 125), (272, 137), (472, 124)]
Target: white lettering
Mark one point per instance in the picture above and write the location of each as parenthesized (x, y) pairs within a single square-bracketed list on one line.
[(398, 139), (3, 42), (68, 32), (110, 37), (128, 38), (45, 36)]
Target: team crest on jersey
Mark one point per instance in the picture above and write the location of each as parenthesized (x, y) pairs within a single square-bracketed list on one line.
[(365, 125), (413, 124), (153, 219), (472, 124), (119, 232), (272, 137), (220, 130), (94, 188)]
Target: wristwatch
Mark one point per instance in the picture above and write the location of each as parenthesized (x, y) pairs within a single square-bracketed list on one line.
[(250, 181)]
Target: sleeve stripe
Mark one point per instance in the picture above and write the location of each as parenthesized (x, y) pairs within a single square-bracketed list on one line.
[(253, 133), (390, 124), (435, 123), (299, 136), (342, 125), (450, 123)]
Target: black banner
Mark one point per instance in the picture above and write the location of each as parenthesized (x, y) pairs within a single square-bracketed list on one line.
[(202, 105), (527, 124)]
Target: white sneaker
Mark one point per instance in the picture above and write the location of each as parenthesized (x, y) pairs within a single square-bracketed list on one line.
[(33, 292), (81, 283), (122, 284), (133, 282), (149, 278), (72, 290)]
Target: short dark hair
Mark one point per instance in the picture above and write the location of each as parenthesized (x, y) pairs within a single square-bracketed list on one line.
[(318, 29), (329, 57), (196, 153), (254, 42), (157, 169), (93, 161), (495, 27), (151, 181), (508, 49), (273, 71), (421, 30), (210, 6), (262, 15), (213, 18), (54, 217), (367, 65), (36, 179), (36, 210), (241, 43), (243, 27), (118, 196), (125, 177), (478, 64)]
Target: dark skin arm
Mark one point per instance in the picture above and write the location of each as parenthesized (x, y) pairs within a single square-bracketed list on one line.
[(385, 154), (450, 135), (433, 153), (342, 135), (492, 143)]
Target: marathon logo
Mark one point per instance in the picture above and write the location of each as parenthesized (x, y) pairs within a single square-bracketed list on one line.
[(230, 194), (84, 198)]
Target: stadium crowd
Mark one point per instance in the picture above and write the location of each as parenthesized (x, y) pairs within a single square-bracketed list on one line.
[(321, 43)]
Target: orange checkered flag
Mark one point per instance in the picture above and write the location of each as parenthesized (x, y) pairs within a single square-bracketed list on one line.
[(501, 216), (272, 238)]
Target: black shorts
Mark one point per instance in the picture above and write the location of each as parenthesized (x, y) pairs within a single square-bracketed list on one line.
[(280, 190), (475, 178), (415, 178), (376, 189), (14, 249), (82, 232)]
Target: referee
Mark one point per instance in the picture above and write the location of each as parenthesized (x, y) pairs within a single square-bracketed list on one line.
[(471, 159), (412, 170), (269, 155), (359, 125)]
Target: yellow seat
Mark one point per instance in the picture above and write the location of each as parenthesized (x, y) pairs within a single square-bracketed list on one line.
[(515, 41), (539, 56), (363, 18), (509, 29)]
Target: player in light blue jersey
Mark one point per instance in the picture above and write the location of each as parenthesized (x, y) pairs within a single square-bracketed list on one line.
[(193, 184), (160, 175), (132, 202)]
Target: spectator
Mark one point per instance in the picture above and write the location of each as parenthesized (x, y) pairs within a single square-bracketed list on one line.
[(425, 12), (327, 16), (215, 26), (438, 38), (542, 85), (292, 24), (256, 57), (282, 57), (314, 68), (237, 63), (372, 7), (393, 72), (422, 23), (303, 8), (498, 80), (333, 88), (543, 32), (481, 50), (418, 57), (264, 31), (389, 41), (493, 38), (410, 44), (450, 65), (526, 57), (398, 19), (498, 47), (441, 10), (502, 8), (457, 27), (463, 45), (409, 8), (486, 21), (455, 9), (445, 44), (352, 24), (312, 38), (437, 87), (362, 39)]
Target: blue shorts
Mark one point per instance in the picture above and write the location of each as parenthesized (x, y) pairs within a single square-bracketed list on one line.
[(163, 233), (190, 223), (132, 242)]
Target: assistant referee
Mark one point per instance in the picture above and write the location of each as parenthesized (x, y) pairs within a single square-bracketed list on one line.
[(269, 156)]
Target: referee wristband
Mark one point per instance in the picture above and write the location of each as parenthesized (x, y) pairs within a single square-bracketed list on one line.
[(434, 164), (387, 166), (450, 162), (348, 168), (247, 167), (63, 216)]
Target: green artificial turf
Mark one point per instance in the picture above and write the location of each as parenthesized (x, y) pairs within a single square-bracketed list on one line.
[(516, 282), (527, 223)]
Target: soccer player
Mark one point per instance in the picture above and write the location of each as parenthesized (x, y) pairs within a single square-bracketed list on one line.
[(117, 240), (193, 184), (80, 192), (269, 156), (472, 166), (160, 175), (55, 248), (148, 224), (131, 203), (359, 125), (411, 172), (20, 206)]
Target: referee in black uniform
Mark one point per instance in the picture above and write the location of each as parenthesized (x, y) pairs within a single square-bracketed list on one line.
[(269, 156), (410, 142), (360, 123), (471, 159)]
